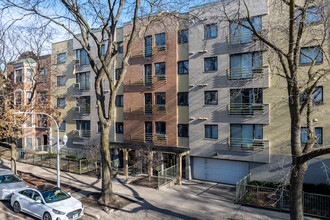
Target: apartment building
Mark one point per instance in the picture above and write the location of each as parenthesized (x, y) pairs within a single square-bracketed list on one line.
[(239, 117), (31, 72)]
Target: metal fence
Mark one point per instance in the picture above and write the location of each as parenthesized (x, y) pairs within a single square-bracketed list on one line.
[(240, 186), (167, 175), (80, 153), (49, 160), (279, 199)]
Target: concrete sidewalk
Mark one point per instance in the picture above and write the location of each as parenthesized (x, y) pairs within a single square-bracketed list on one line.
[(192, 200)]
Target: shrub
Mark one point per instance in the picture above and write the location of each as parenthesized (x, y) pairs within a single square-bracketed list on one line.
[(71, 156), (51, 154)]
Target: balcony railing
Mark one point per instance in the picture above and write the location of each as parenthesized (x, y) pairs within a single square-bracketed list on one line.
[(149, 52), (246, 72), (148, 81), (80, 86), (84, 133), (82, 110), (149, 138), (245, 108), (149, 110), (244, 38), (246, 144)]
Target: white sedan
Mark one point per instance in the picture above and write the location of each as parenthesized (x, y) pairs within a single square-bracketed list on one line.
[(47, 202)]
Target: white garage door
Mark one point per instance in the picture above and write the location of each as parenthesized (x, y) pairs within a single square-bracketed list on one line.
[(222, 171)]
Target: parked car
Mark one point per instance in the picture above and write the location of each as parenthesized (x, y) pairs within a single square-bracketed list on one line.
[(47, 202), (9, 183)]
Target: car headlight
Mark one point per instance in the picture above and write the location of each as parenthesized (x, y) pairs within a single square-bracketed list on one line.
[(58, 212)]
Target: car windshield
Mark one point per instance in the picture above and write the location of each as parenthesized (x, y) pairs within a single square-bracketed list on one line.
[(9, 179), (54, 194)]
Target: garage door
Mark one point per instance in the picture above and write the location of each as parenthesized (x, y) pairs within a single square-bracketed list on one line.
[(222, 171)]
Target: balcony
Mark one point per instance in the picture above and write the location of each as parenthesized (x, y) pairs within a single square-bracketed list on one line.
[(148, 81), (246, 144), (81, 87), (247, 72), (82, 133), (246, 108), (149, 110), (82, 110), (156, 139), (245, 37)]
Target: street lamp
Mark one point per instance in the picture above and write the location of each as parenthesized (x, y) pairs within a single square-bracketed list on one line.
[(65, 139)]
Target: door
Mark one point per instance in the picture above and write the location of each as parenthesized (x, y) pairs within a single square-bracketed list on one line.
[(37, 208), (148, 103), (147, 75), (148, 131), (148, 46), (45, 138)]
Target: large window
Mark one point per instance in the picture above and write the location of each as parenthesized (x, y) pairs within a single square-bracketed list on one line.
[(61, 80), (309, 54), (118, 73), (61, 102), (62, 126), (313, 15), (211, 131), (160, 98), (317, 96), (160, 69), (183, 36), (42, 96), (210, 64), (210, 31), (28, 142), (160, 127), (81, 55), (246, 131), (241, 35), (243, 65), (183, 67), (120, 47), (183, 130), (148, 46), (119, 101), (29, 75), (211, 97), (61, 58), (84, 80), (183, 98), (317, 132), (245, 101), (119, 127), (19, 75), (83, 125), (160, 40)]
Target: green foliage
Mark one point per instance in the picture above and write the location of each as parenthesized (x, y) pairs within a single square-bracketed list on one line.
[(71, 156), (51, 154), (249, 197)]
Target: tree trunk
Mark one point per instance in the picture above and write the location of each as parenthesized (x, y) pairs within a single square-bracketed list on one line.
[(107, 195), (296, 188), (13, 158), (150, 164)]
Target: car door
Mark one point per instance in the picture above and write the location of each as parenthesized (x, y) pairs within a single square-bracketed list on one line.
[(37, 208), (25, 199)]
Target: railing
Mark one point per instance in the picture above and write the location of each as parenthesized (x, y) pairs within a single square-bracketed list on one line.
[(84, 87), (245, 72), (84, 110), (149, 110), (148, 81), (149, 138), (149, 52), (39, 148), (246, 144), (84, 133), (167, 175), (241, 186), (245, 108), (244, 38)]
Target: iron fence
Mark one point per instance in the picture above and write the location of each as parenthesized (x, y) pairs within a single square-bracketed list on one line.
[(167, 175)]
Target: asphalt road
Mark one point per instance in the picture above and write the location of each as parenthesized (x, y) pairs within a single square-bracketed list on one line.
[(7, 212)]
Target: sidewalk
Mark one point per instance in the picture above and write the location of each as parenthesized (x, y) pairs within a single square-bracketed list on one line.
[(192, 200)]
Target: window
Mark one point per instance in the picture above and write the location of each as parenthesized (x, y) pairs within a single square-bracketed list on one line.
[(211, 97), (61, 102), (84, 80), (313, 15), (119, 127), (183, 130), (120, 48), (19, 75), (317, 96), (62, 126), (61, 58), (103, 51), (148, 46), (211, 131), (183, 99), (28, 121), (29, 75), (61, 80), (160, 40), (183, 36), (81, 55), (41, 121), (160, 98), (119, 101), (210, 64), (118, 73), (159, 69), (183, 67), (241, 35), (18, 98), (99, 127), (28, 96), (42, 96), (210, 31), (44, 75), (160, 127), (309, 54), (83, 125), (317, 132), (245, 101), (245, 135), (147, 75), (243, 65)]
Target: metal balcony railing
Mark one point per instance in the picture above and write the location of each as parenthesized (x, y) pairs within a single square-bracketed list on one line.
[(149, 110), (148, 81), (245, 72), (82, 86), (82, 110), (246, 144), (149, 52), (244, 38), (245, 108), (84, 133), (149, 138)]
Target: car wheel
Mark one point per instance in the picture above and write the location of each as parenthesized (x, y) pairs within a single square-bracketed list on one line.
[(17, 207), (47, 216)]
